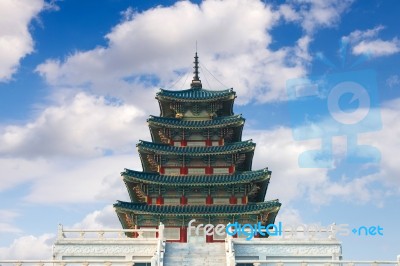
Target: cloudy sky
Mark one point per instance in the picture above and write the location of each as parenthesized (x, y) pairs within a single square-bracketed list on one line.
[(78, 80)]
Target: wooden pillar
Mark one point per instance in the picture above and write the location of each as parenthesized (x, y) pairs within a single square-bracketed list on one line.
[(161, 170), (209, 200), (149, 200), (233, 200), (160, 200), (183, 200), (209, 170), (208, 142), (183, 234), (231, 169), (244, 200), (209, 239), (184, 171)]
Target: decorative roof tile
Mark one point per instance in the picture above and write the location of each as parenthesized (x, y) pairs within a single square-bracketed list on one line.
[(243, 146), (196, 180), (188, 210), (195, 94), (210, 123)]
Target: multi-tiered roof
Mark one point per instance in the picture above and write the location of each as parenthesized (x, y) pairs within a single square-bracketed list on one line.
[(196, 167)]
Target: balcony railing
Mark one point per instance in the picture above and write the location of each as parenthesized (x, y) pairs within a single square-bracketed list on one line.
[(110, 234), (316, 262), (239, 262)]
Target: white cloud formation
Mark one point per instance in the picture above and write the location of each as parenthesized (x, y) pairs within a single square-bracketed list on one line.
[(83, 181), (387, 142), (314, 14), (104, 218), (40, 247), (153, 46), (367, 42), (15, 40), (377, 47), (29, 247), (278, 150), (85, 140), (359, 35), (15, 171), (288, 215), (84, 126)]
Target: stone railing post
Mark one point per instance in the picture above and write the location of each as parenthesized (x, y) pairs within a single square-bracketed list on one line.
[(60, 232), (398, 260), (161, 231), (230, 255), (332, 232), (335, 256)]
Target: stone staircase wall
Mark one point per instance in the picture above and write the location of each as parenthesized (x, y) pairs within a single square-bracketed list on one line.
[(193, 254)]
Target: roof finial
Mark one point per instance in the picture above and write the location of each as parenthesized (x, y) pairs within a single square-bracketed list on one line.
[(196, 82)]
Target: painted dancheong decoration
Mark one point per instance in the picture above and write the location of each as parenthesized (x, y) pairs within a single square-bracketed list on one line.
[(196, 167)]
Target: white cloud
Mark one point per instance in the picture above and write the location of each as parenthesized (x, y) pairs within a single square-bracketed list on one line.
[(16, 171), (289, 13), (372, 184), (359, 35), (377, 47), (367, 42), (314, 14), (277, 150), (104, 218), (85, 126), (68, 180), (85, 140), (288, 215), (86, 181), (387, 142), (29, 247), (151, 46), (15, 40)]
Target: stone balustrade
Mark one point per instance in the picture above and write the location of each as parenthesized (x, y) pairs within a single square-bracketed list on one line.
[(316, 262), (108, 234), (108, 246), (253, 262)]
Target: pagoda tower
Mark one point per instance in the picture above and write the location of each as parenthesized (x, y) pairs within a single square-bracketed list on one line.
[(195, 167)]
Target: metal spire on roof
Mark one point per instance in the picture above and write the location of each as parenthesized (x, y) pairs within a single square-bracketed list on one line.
[(196, 82)]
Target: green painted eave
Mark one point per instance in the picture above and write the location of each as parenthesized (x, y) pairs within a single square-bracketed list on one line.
[(225, 121), (195, 95), (229, 148), (131, 176), (190, 210)]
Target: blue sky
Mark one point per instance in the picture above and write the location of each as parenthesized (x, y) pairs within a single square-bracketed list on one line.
[(78, 80)]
